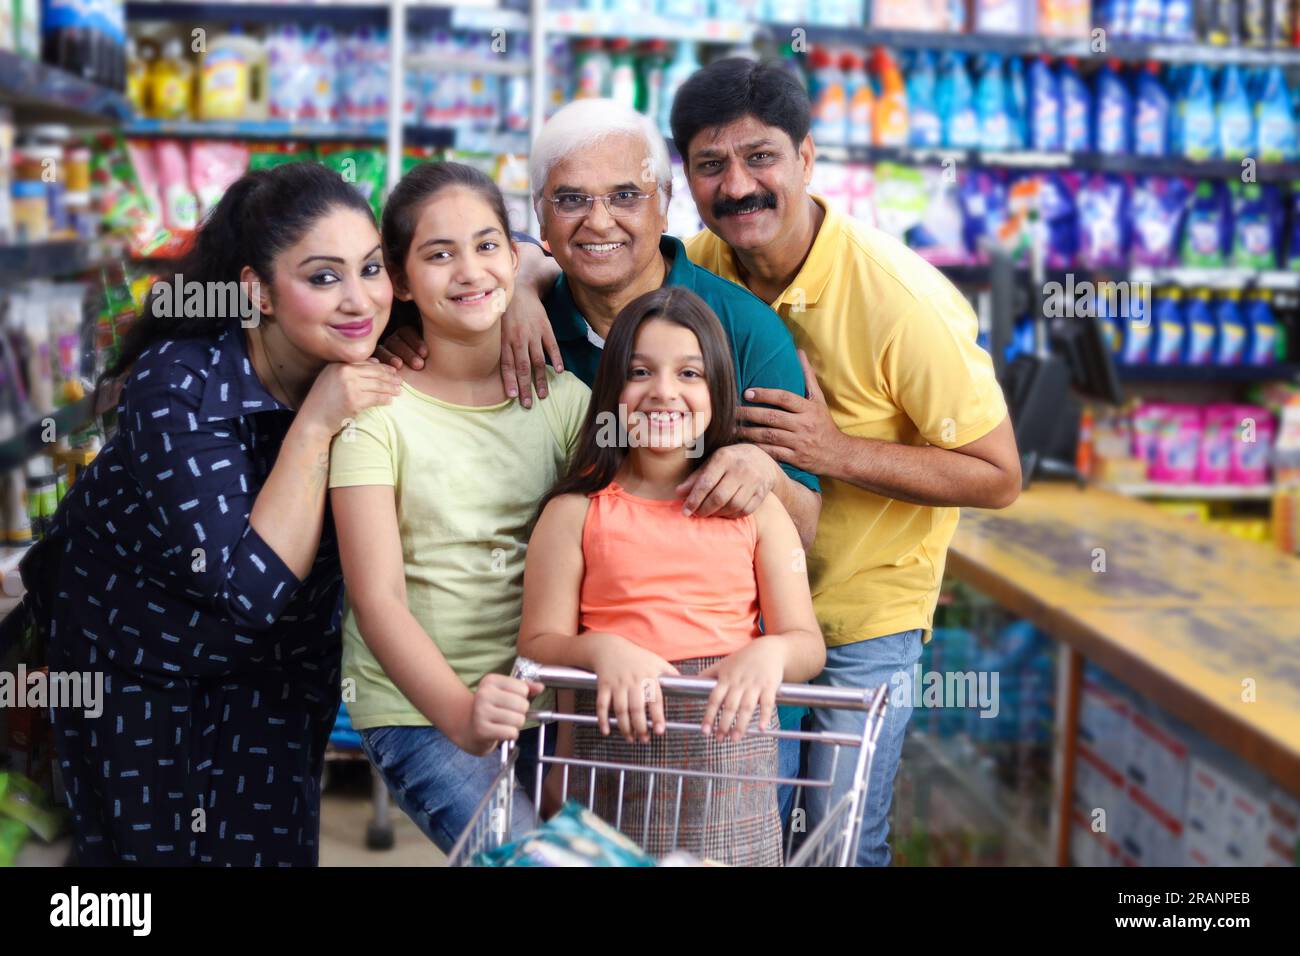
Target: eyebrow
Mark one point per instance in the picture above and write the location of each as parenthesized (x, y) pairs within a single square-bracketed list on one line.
[(578, 189), (337, 259), (681, 358), (709, 152), (451, 242)]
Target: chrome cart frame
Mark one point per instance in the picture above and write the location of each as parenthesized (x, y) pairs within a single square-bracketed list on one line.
[(832, 843)]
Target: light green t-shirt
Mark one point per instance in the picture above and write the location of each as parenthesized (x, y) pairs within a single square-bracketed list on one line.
[(467, 482)]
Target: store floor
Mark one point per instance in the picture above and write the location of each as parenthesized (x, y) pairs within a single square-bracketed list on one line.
[(346, 811)]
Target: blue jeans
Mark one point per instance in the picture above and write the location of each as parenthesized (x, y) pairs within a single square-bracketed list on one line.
[(439, 786), (868, 663)]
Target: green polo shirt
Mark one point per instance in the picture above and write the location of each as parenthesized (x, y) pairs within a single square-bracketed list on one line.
[(761, 345)]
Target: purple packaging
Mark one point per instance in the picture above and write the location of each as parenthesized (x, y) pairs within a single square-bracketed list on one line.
[(1060, 219), (1158, 205), (1103, 212), (1252, 445), (1215, 460)]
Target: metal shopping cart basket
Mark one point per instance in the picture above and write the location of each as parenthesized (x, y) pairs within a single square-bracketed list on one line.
[(832, 843)]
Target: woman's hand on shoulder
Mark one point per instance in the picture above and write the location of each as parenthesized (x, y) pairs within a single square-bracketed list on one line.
[(344, 389)]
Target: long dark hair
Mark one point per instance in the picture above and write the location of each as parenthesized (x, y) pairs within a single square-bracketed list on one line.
[(402, 215), (261, 214), (593, 466)]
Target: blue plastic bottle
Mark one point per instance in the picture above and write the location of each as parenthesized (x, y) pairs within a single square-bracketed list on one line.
[(684, 64), (1113, 111), (1275, 124), (1018, 103), (1231, 348), (1151, 114), (1236, 118), (925, 127), (1076, 108), (991, 106), (1044, 107), (1170, 330), (1261, 343), (1198, 123), (955, 103), (1202, 330)]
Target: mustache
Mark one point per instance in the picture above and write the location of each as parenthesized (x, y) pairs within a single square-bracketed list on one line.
[(750, 203)]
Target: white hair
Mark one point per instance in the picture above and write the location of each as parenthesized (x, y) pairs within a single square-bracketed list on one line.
[(585, 122)]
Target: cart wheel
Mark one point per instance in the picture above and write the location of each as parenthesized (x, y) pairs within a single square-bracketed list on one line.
[(379, 837)]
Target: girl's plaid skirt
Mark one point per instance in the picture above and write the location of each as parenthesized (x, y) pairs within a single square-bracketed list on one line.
[(743, 826)]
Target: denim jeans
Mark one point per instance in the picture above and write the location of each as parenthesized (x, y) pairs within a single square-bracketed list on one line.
[(868, 663), (439, 786)]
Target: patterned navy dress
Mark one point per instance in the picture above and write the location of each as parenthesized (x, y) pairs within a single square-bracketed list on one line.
[(221, 668)]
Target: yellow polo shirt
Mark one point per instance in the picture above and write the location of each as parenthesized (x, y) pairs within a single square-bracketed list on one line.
[(893, 343)]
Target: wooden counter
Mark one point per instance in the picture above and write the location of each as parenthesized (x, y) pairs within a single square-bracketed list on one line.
[(1190, 617)]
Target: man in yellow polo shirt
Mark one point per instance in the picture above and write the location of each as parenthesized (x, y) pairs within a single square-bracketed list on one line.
[(904, 422)]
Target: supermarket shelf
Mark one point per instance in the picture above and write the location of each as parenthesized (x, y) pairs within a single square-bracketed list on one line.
[(49, 260), (1074, 162), (1132, 51), (441, 63), (282, 131), (1208, 374), (38, 92), (17, 448), (582, 23), (1186, 277), (271, 130), (1194, 492)]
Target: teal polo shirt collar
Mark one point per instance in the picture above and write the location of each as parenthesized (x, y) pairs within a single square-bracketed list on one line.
[(571, 327)]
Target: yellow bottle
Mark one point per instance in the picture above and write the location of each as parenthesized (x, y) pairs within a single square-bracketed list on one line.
[(232, 79), (137, 78), (170, 83)]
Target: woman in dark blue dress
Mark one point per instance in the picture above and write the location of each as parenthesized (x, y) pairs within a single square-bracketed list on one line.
[(194, 563)]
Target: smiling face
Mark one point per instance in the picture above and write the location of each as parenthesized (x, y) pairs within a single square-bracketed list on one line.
[(330, 295), (748, 181), (600, 252), (460, 268), (666, 394)]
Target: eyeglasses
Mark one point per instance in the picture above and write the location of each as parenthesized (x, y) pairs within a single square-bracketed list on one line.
[(620, 203)]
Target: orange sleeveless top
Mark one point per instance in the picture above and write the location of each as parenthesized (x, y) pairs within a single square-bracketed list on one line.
[(680, 587)]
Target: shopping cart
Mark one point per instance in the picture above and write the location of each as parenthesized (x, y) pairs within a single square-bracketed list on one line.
[(832, 843)]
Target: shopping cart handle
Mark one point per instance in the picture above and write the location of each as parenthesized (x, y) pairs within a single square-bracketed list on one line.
[(787, 695)]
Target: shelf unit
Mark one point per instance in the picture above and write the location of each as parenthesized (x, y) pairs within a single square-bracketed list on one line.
[(1148, 489), (1010, 44), (39, 93)]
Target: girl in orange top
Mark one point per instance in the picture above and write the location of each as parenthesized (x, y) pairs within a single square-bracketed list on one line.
[(620, 581)]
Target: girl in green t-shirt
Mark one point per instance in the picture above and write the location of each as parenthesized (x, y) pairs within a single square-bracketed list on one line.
[(434, 501)]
